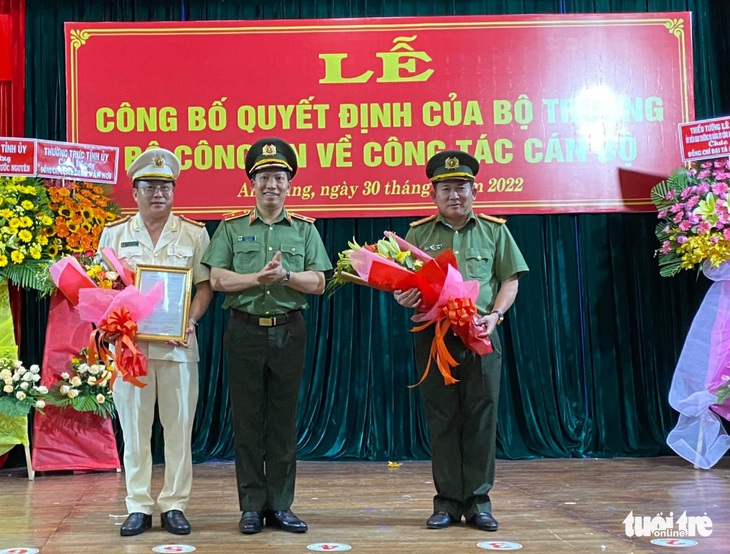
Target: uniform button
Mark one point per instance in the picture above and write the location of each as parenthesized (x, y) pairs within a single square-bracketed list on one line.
[(271, 247), (270, 229), (479, 257), (456, 232), (293, 249), (267, 313), (268, 292), (456, 252)]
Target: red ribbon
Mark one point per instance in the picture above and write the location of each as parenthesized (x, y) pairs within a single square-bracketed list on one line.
[(457, 314), (120, 329)]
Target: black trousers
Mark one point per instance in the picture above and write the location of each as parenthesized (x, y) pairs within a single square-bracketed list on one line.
[(265, 366)]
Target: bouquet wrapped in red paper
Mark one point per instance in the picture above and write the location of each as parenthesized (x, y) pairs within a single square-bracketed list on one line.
[(447, 301), (114, 305)]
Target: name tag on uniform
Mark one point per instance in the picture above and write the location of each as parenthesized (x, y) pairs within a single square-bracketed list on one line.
[(433, 247), (246, 239), (130, 243)]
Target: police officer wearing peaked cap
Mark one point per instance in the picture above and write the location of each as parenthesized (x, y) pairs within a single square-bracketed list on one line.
[(156, 236), (462, 417), (266, 260)]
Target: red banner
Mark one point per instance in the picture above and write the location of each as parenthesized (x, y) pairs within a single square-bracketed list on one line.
[(701, 140), (59, 160), (77, 162), (17, 156), (567, 113)]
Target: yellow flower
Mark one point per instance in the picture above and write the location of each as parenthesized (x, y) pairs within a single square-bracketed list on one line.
[(25, 221), (1, 200), (35, 252), (42, 240), (25, 235), (17, 257), (27, 205), (6, 213), (45, 220), (14, 222), (3, 260)]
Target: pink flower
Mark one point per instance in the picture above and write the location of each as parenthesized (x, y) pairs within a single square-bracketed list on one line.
[(714, 239), (692, 202), (681, 239), (719, 188), (669, 195), (703, 228), (703, 189), (679, 217), (685, 226), (676, 208), (685, 193), (704, 174), (666, 247), (662, 214), (693, 218), (726, 234)]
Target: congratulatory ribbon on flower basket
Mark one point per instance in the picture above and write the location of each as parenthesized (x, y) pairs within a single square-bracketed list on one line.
[(114, 312), (447, 301)]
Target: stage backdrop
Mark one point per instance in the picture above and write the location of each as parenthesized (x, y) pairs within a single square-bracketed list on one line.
[(567, 113)]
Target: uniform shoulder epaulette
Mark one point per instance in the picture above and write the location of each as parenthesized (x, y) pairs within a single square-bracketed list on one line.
[(302, 217), (192, 221), (493, 219), (422, 221), (236, 215), (119, 221)]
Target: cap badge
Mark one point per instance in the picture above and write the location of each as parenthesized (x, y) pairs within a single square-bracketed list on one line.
[(452, 163), (159, 161), (269, 150)]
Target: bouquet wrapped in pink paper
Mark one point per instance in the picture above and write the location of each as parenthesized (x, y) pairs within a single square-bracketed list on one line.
[(447, 301), (114, 311)]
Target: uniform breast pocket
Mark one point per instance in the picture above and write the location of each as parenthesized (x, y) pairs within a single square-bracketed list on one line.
[(131, 253), (292, 255), (478, 264), (246, 257), (180, 256)]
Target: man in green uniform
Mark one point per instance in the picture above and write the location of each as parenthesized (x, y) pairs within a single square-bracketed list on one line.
[(462, 418), (266, 260)]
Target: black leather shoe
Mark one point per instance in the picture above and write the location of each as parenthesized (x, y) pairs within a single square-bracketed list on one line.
[(135, 524), (483, 522), (440, 520), (251, 523), (175, 522), (286, 521)]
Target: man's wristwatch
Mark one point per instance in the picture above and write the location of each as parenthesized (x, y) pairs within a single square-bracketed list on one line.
[(500, 316), (287, 276)]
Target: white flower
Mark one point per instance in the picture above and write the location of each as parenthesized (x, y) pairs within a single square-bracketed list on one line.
[(6, 374), (16, 377), (28, 376), (64, 389), (21, 371), (83, 368), (8, 381), (95, 369), (76, 381), (64, 376), (73, 393), (100, 398), (35, 368), (8, 388), (42, 389), (36, 378), (112, 275), (18, 364), (24, 385), (40, 404), (91, 380), (20, 395)]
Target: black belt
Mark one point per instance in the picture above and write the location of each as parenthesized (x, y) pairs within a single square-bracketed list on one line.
[(267, 321)]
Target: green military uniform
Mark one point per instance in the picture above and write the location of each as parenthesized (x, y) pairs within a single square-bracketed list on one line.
[(462, 418), (265, 339)]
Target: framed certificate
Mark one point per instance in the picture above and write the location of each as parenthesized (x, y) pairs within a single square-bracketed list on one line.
[(170, 319)]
